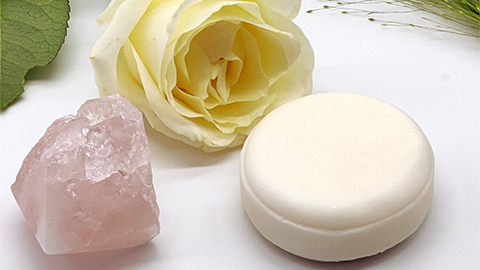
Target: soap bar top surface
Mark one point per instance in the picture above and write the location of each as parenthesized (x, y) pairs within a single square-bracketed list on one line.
[(337, 161)]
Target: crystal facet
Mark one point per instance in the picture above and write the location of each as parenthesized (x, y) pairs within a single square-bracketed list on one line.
[(87, 184)]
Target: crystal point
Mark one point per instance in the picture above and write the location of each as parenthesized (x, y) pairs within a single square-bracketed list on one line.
[(87, 184)]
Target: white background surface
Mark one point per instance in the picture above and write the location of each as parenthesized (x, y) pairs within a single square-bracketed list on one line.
[(433, 77)]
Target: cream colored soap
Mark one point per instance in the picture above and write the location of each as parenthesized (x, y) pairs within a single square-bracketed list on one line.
[(334, 177)]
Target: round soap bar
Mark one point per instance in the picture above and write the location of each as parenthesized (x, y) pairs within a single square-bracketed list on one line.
[(336, 177)]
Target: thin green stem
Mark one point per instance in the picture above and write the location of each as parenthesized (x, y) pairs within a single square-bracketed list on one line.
[(465, 14)]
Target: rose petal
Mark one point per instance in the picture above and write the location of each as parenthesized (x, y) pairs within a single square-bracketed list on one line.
[(241, 114), (216, 40), (277, 51), (129, 84), (288, 8), (192, 14), (252, 77), (189, 106), (105, 51), (213, 99), (218, 75), (297, 82), (235, 67), (194, 79), (149, 37), (109, 12)]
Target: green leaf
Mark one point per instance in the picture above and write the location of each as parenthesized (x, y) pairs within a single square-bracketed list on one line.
[(32, 32)]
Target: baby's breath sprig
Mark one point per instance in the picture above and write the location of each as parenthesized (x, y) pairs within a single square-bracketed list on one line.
[(464, 14)]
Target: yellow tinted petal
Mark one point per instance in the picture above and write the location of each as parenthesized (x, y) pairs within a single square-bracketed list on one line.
[(241, 113), (253, 82), (277, 51), (288, 8), (150, 37), (216, 40), (188, 105), (124, 16), (297, 82), (193, 71)]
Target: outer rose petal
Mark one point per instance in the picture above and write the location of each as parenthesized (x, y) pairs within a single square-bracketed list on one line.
[(105, 51), (109, 12), (298, 80), (288, 8)]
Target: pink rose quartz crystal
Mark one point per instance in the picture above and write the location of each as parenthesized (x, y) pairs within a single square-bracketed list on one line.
[(87, 184)]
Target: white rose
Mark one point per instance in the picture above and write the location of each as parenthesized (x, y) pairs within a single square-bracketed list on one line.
[(203, 71)]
